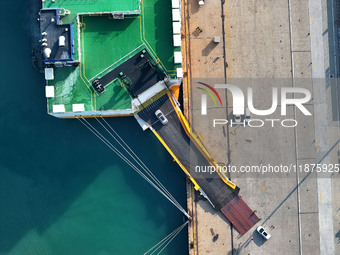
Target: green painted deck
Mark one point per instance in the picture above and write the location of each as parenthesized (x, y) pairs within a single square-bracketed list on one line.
[(85, 6), (105, 43)]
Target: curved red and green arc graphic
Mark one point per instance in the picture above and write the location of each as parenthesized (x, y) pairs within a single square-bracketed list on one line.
[(209, 93)]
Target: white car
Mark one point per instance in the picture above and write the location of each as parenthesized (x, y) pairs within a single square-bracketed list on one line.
[(161, 117), (263, 232), (237, 118)]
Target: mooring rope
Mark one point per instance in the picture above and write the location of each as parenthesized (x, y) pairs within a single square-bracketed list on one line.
[(126, 160)]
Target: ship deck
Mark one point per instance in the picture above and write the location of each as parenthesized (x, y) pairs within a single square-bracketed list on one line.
[(104, 43), (90, 6)]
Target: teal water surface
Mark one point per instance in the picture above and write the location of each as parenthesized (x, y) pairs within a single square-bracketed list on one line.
[(62, 191)]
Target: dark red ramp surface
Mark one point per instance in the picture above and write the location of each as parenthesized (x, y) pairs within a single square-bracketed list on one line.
[(240, 215)]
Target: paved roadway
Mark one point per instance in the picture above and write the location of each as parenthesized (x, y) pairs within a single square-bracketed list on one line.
[(283, 40), (326, 96)]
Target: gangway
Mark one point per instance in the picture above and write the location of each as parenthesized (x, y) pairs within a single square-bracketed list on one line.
[(188, 151)]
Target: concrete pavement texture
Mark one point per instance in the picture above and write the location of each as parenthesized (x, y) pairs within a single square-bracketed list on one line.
[(269, 44)]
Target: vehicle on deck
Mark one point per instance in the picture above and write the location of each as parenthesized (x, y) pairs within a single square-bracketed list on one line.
[(201, 2), (161, 117), (237, 118)]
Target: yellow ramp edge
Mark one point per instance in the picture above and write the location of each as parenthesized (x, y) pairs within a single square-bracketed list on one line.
[(196, 186), (193, 137)]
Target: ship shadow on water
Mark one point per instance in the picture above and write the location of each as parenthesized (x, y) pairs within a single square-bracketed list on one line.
[(54, 161), (46, 164), (45, 172)]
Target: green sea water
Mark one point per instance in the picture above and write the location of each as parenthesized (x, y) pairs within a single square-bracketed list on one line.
[(62, 191)]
